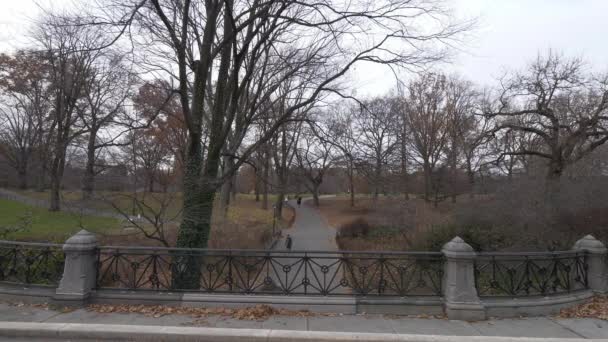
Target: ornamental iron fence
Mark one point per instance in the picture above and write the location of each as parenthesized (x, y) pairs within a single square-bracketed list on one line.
[(272, 272), (530, 274), (31, 263)]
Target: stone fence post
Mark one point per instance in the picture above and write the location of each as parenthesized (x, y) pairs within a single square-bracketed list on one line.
[(459, 292), (597, 261), (79, 271)]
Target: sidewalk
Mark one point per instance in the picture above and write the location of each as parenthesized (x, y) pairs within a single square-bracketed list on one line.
[(545, 327)]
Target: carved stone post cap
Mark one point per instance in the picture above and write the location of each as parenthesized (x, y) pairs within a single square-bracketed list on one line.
[(458, 248), (590, 244), (83, 240)]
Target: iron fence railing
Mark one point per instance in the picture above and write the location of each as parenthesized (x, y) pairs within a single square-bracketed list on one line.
[(272, 272), (299, 272), (530, 273), (31, 263)]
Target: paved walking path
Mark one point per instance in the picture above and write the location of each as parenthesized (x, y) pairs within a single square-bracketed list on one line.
[(310, 231), (527, 327), (321, 273)]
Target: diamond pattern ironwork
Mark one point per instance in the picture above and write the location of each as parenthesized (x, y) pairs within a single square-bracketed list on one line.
[(270, 272), (530, 274), (31, 263)]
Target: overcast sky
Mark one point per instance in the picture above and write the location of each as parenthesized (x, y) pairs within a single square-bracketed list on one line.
[(510, 33)]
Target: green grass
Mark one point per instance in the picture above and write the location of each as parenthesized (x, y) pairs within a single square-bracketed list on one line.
[(49, 226)]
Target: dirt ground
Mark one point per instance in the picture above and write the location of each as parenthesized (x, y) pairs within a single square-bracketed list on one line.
[(246, 226)]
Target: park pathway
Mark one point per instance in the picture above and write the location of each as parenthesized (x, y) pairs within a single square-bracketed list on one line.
[(322, 273), (310, 231)]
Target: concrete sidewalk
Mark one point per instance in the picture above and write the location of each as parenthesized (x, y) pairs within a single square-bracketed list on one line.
[(525, 327)]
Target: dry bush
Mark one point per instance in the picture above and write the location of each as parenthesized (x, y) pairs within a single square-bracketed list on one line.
[(359, 228), (393, 222), (516, 218)]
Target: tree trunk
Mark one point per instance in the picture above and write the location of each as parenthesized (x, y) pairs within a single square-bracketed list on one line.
[(453, 170), (198, 197), (377, 176), (256, 188), (281, 189), (404, 174), (151, 183), (315, 194), (226, 190), (471, 177), (41, 183), (57, 168), (278, 205), (427, 182), (22, 173), (552, 199), (351, 184), (88, 180), (266, 178)]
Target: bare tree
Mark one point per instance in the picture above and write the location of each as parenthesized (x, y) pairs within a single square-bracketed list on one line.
[(70, 50), (24, 113), (564, 108), (104, 95), (427, 120), (376, 138), (315, 156), (341, 133), (463, 139)]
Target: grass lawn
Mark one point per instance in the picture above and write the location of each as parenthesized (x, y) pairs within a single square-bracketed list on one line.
[(49, 226), (245, 226)]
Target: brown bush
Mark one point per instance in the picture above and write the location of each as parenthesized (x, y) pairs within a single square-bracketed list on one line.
[(358, 228)]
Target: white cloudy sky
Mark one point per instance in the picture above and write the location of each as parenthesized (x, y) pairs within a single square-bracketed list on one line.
[(510, 33)]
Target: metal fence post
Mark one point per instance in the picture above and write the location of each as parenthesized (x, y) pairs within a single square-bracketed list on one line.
[(80, 271), (459, 292), (597, 262)]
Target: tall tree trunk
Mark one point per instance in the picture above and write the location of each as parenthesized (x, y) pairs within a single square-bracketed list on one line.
[(266, 179), (151, 182), (351, 183), (427, 181), (88, 180), (281, 189), (233, 188), (22, 173), (41, 181), (377, 176), (404, 174), (453, 170), (315, 193), (226, 189), (552, 200), (57, 168), (198, 197), (471, 178), (256, 188)]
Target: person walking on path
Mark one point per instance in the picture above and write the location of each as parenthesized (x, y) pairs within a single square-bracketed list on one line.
[(288, 242), (299, 201)]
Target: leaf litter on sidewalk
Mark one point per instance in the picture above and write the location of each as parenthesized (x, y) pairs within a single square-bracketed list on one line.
[(254, 313), (597, 307)]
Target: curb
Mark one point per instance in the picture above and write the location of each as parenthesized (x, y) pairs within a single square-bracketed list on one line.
[(187, 334)]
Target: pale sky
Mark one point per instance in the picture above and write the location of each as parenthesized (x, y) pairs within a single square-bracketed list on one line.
[(510, 33)]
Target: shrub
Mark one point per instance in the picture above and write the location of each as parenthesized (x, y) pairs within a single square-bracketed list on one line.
[(354, 229), (480, 237)]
